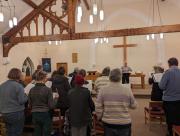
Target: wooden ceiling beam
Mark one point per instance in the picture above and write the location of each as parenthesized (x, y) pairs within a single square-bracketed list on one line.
[(53, 18), (28, 18), (86, 4), (93, 35)]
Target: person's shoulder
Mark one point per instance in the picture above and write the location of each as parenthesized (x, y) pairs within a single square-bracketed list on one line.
[(47, 88)]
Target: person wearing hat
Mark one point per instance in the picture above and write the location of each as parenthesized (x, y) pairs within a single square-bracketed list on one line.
[(80, 107)]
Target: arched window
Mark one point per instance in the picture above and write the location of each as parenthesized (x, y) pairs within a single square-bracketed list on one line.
[(28, 67)]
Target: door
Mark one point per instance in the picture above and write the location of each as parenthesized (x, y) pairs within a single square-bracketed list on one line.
[(64, 65)]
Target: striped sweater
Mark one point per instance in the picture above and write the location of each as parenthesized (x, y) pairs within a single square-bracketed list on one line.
[(113, 104), (101, 82)]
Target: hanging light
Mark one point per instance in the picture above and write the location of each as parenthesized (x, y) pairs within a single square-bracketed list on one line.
[(101, 40), (1, 17), (91, 19), (153, 36), (107, 40), (56, 42), (49, 42), (80, 10), (95, 9), (60, 42), (161, 35), (78, 18), (96, 40), (11, 23), (101, 15), (15, 21), (148, 37), (104, 39)]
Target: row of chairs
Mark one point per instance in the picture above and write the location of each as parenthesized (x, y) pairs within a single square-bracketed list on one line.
[(155, 112)]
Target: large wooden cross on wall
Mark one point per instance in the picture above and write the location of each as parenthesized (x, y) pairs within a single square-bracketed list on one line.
[(124, 46)]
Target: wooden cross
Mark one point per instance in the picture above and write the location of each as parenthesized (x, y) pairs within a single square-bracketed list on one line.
[(124, 46)]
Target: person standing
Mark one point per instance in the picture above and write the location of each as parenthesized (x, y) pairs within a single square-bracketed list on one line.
[(39, 68), (170, 84), (80, 108), (61, 84), (103, 80), (156, 93), (126, 71), (41, 102), (112, 106), (12, 103), (73, 75)]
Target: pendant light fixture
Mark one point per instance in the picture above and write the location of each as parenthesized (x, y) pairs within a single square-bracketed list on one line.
[(49, 42), (1, 13), (1, 17), (91, 19), (15, 21), (95, 8), (101, 12), (11, 23), (152, 23), (79, 12), (161, 35)]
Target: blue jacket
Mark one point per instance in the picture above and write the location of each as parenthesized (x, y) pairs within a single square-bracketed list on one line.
[(170, 84), (12, 97)]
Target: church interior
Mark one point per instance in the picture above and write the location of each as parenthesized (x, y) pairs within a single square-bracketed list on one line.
[(92, 35)]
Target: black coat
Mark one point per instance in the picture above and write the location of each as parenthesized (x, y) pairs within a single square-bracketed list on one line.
[(81, 106), (156, 93), (61, 84)]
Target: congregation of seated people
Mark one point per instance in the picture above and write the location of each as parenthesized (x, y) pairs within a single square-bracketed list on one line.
[(35, 103)]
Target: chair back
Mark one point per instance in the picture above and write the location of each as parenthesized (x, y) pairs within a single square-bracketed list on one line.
[(156, 105)]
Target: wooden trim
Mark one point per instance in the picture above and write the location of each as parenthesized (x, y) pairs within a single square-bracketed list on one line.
[(127, 45), (92, 35)]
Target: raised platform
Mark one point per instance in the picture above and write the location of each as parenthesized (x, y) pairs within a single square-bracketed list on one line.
[(142, 93)]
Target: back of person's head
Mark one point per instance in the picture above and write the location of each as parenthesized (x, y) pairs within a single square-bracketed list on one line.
[(82, 72), (115, 75), (61, 71), (106, 71), (79, 80), (15, 74), (55, 72), (41, 76), (172, 62), (76, 69), (39, 67)]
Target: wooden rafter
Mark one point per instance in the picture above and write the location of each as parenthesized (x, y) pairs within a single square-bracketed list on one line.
[(109, 33), (53, 18), (11, 39), (86, 4), (28, 18)]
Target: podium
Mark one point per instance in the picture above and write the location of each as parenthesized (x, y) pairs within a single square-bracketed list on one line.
[(142, 77)]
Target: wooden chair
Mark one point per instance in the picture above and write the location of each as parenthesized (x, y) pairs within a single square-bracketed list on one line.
[(97, 127), (176, 130), (154, 112), (2, 128), (58, 120)]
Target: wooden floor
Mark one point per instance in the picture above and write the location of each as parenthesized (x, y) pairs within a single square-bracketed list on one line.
[(138, 126)]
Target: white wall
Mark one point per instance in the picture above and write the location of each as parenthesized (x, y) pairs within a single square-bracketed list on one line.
[(140, 58)]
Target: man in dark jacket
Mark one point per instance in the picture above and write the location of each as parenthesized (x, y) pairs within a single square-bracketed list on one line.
[(61, 84), (80, 107), (73, 75)]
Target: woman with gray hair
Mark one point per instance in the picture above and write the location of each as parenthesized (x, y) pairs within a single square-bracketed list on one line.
[(103, 80), (113, 105)]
